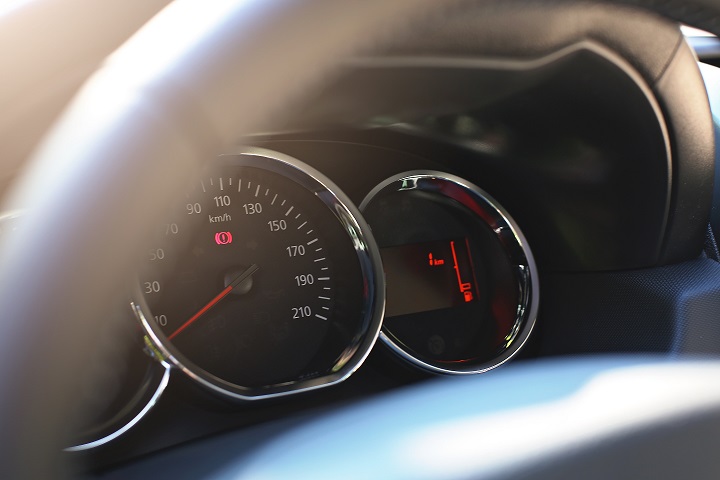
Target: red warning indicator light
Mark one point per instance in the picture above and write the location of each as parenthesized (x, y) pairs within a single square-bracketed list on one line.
[(435, 262), (223, 238)]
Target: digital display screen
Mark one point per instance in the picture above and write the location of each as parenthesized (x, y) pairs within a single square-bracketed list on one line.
[(428, 276)]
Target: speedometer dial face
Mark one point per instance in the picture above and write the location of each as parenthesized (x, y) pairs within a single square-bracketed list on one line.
[(263, 281)]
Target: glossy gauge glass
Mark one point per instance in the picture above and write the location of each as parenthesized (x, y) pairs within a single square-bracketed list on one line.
[(462, 291), (264, 280)]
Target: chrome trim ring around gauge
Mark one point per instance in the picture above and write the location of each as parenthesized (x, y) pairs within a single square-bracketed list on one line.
[(152, 401), (507, 233), (370, 265)]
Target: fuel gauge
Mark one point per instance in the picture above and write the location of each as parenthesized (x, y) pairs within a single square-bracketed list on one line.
[(461, 281)]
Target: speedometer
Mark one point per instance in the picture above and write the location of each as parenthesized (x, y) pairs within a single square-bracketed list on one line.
[(263, 281)]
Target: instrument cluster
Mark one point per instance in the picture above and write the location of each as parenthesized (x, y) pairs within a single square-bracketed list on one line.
[(267, 279)]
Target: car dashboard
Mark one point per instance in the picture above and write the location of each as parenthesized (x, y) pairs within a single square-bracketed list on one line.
[(446, 215)]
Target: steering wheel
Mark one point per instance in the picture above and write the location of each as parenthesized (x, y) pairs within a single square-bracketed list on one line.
[(187, 85)]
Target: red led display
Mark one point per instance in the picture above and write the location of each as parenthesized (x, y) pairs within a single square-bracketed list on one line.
[(428, 276)]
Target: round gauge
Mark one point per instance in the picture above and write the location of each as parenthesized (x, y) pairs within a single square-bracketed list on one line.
[(263, 281), (461, 282)]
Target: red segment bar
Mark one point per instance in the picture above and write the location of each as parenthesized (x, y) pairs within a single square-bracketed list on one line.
[(465, 288)]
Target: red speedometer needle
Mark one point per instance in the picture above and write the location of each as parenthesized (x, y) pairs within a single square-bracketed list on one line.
[(238, 280)]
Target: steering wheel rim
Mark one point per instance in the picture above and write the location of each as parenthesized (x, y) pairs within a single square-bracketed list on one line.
[(158, 105)]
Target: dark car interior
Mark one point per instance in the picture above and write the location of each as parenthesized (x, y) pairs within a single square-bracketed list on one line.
[(457, 239)]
